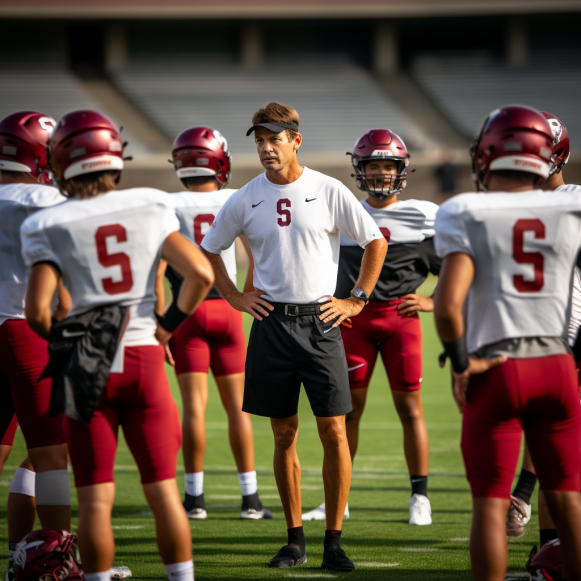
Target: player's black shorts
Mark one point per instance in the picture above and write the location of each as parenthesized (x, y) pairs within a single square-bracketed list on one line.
[(287, 350)]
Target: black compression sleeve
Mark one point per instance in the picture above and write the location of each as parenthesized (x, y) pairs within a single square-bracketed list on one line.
[(458, 354), (173, 317)]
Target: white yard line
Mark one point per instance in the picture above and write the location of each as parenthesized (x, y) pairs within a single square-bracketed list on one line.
[(377, 564)]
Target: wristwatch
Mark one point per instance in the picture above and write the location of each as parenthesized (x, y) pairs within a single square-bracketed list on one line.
[(360, 294)]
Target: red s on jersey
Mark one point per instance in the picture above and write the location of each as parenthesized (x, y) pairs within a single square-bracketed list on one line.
[(107, 249), (524, 247), (196, 212)]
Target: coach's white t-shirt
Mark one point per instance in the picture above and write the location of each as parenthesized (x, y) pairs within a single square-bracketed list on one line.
[(293, 231), (17, 202), (107, 249), (524, 246)]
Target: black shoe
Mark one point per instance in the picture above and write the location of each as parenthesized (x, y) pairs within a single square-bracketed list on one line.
[(289, 556), (195, 506), (336, 560), (252, 508)]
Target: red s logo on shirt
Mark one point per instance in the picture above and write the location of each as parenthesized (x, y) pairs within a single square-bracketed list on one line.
[(281, 208)]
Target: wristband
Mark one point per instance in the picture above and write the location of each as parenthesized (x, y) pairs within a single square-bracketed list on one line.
[(172, 319), (458, 354)]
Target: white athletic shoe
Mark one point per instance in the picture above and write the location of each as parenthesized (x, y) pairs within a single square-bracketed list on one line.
[(420, 510), (195, 507), (253, 514), (197, 513), (320, 514), (120, 572)]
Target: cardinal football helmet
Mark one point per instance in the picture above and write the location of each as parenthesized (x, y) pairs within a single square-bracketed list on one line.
[(561, 146), (512, 138), (545, 564), (23, 138), (379, 144), (202, 152), (47, 555), (85, 142)]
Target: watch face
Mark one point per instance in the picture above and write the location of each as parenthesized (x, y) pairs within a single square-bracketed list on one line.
[(360, 294)]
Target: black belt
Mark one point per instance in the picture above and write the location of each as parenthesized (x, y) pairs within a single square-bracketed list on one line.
[(297, 310)]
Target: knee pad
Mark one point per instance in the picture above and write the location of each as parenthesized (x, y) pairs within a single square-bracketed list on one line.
[(23, 482), (53, 488)]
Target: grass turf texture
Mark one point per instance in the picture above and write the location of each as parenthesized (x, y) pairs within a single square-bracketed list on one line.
[(377, 536)]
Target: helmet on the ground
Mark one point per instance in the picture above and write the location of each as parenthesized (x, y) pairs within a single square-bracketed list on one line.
[(515, 138), (202, 152), (47, 555), (561, 146), (85, 142), (545, 564), (23, 138), (380, 144)]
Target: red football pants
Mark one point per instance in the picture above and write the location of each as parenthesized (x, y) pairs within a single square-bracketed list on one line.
[(212, 337), (140, 400), (23, 358), (539, 396), (379, 328)]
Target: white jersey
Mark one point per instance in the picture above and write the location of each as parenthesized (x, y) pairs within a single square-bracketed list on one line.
[(17, 202), (196, 212), (405, 222), (575, 320), (107, 249), (524, 246), (569, 188), (293, 231)]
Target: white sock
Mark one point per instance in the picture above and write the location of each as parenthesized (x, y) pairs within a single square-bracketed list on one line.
[(179, 571), (248, 482), (53, 488), (103, 576), (195, 483), (23, 482)]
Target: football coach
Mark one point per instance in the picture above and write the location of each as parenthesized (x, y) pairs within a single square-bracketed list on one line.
[(292, 217)]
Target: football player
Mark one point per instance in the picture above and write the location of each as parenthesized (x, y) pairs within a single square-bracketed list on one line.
[(213, 336), (520, 510), (389, 325), (509, 255), (23, 355), (106, 246)]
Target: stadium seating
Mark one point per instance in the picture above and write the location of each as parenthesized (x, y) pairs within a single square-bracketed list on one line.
[(466, 87), (52, 89), (336, 99)]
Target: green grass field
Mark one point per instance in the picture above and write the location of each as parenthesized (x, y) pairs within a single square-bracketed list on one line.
[(377, 536)]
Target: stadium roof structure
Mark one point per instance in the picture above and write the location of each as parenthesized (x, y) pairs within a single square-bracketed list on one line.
[(265, 9)]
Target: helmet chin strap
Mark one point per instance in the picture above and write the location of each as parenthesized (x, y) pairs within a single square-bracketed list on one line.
[(381, 196)]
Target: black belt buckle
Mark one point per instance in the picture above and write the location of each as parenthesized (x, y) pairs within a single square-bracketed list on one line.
[(291, 310)]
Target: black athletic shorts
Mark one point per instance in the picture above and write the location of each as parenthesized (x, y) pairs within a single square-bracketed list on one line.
[(285, 351)]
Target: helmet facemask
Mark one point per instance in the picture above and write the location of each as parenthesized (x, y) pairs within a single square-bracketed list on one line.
[(380, 186)]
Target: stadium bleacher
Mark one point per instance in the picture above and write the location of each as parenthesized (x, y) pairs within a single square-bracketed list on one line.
[(52, 89), (335, 98), (466, 87)]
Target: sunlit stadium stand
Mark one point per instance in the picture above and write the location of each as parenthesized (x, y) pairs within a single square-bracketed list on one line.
[(336, 99), (52, 89), (466, 87)]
